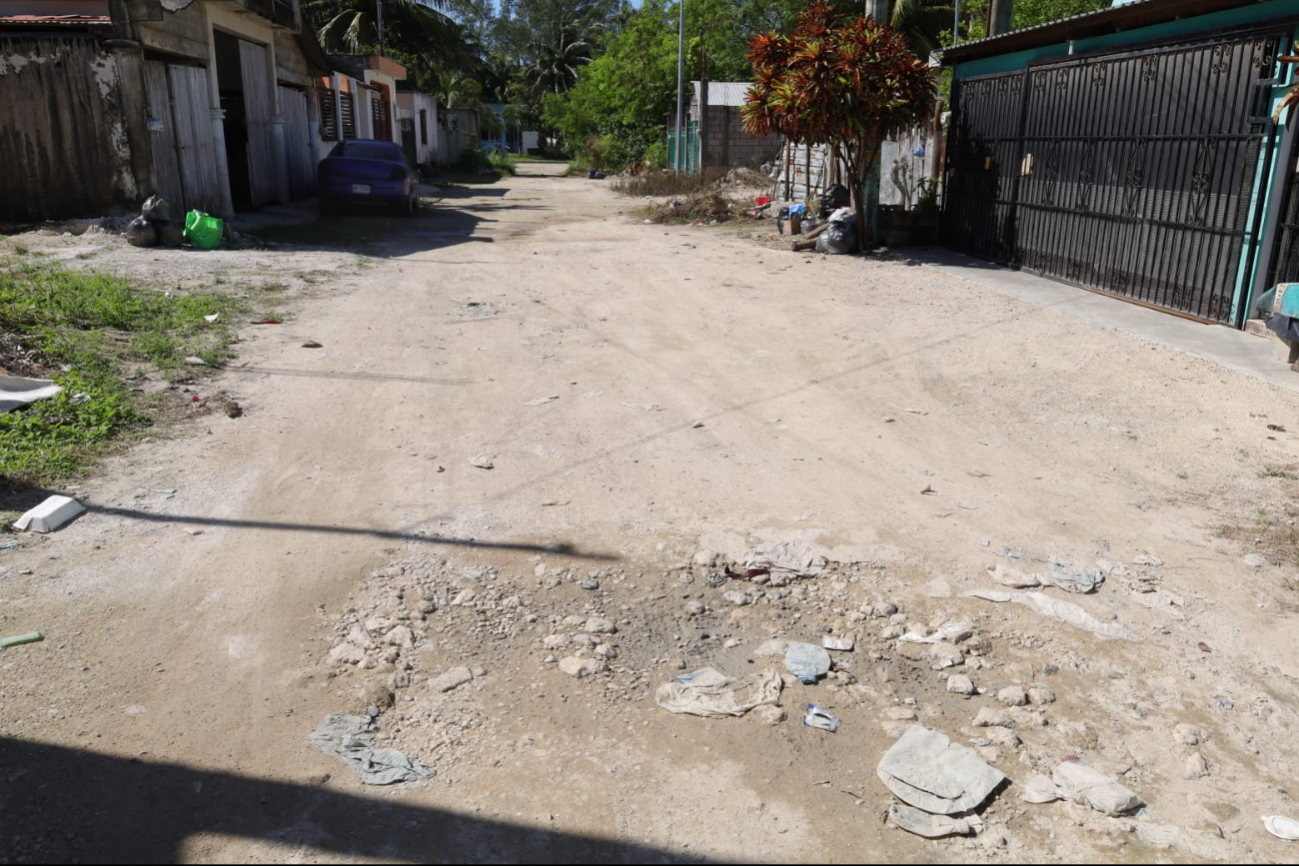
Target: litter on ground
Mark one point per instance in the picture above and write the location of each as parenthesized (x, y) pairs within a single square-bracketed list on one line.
[(928, 771), (713, 695), (352, 739), (50, 514), (1058, 610), (16, 391)]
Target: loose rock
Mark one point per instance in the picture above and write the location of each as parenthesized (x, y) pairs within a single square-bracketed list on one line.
[(452, 679), (579, 668), (1013, 696), (959, 684)]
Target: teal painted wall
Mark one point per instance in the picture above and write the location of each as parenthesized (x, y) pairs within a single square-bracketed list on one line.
[(1168, 30)]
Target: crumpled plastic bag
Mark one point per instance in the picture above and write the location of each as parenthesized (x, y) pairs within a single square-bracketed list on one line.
[(1058, 610), (927, 770), (713, 695), (1076, 781), (352, 739), (1072, 577), (924, 824)]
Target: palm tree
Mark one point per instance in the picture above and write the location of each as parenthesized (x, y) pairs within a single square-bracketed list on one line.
[(415, 27), (555, 62), (921, 22)]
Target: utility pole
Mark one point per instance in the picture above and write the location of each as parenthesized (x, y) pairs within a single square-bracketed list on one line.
[(379, 6), (678, 162), (956, 28)]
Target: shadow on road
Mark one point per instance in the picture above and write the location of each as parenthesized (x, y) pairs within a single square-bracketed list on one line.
[(561, 548), (63, 805)]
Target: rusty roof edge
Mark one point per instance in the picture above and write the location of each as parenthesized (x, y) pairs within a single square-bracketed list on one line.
[(1130, 16)]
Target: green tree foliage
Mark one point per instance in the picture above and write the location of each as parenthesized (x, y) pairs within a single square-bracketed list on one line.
[(416, 33), (621, 101), (841, 80), (1026, 13)]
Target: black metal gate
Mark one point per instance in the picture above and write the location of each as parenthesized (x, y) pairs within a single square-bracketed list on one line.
[(1130, 173)]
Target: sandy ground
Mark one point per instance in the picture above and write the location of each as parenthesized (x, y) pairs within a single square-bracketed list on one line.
[(707, 393)]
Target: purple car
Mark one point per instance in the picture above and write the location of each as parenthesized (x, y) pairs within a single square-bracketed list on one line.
[(360, 170)]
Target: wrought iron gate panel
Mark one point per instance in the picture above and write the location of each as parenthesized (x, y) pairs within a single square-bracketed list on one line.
[(1135, 172), (982, 162)]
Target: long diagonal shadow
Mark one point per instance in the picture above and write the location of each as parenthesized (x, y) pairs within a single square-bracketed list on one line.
[(62, 805), (334, 374), (564, 548)]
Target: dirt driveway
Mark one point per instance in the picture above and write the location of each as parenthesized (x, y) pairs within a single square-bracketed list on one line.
[(643, 394)]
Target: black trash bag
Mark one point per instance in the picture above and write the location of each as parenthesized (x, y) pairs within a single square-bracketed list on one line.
[(590, 174), (155, 210), (599, 175), (169, 233), (839, 237), (141, 233), (835, 196)]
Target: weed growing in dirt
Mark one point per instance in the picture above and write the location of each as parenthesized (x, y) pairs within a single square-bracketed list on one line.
[(502, 163), (707, 208), (275, 286), (1278, 472), (659, 182), (84, 329)]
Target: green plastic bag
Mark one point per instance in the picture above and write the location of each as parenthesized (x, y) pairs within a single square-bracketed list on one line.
[(202, 230)]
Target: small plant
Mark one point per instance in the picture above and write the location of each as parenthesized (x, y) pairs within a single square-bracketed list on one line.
[(502, 163), (1278, 472), (595, 151)]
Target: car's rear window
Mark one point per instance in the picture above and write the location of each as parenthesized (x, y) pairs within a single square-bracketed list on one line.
[(369, 150)]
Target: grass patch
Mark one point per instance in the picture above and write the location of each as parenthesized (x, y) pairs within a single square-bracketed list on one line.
[(502, 163), (88, 330), (1278, 472)]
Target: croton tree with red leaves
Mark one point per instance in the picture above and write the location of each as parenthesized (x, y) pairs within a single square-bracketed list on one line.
[(841, 80)]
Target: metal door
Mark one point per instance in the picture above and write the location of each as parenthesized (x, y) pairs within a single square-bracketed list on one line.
[(1131, 173)]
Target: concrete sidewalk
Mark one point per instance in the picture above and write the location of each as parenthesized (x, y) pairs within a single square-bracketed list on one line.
[(1227, 346)]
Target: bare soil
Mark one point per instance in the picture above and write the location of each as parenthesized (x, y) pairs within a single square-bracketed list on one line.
[(644, 393)]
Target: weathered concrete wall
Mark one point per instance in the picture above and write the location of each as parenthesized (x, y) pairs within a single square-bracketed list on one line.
[(183, 32), (726, 144), (290, 62), (63, 139), (457, 129)]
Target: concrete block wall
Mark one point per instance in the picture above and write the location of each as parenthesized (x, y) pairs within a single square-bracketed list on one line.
[(726, 144)]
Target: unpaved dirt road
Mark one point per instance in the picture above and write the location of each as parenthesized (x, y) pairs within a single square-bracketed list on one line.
[(643, 393)]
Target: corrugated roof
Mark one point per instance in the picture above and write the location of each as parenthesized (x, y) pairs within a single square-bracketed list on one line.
[(1112, 19), (54, 19), (725, 92)]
